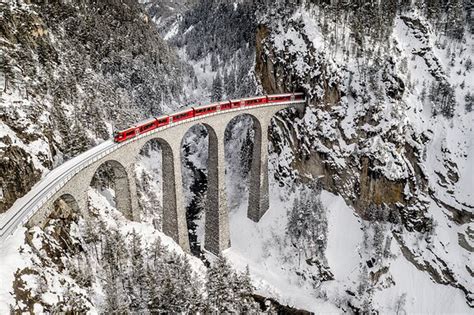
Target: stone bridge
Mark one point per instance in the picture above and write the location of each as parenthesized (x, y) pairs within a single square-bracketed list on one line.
[(123, 157)]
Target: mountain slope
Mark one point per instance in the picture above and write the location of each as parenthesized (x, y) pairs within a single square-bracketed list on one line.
[(69, 75)]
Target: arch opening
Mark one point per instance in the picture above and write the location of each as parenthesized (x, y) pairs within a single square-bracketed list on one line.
[(242, 140), (156, 191), (110, 180), (66, 206), (195, 171)]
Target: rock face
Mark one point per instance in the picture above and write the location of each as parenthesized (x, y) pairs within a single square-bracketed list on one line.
[(70, 74), (18, 175), (358, 178)]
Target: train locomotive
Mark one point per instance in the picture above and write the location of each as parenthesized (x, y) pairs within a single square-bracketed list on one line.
[(157, 122)]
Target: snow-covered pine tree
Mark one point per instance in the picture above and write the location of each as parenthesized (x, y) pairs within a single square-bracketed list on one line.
[(91, 236), (221, 297), (156, 251), (217, 88), (468, 64), (77, 140), (307, 224), (214, 62), (469, 99), (229, 82), (136, 284), (115, 255), (443, 99), (115, 300), (244, 290), (173, 287)]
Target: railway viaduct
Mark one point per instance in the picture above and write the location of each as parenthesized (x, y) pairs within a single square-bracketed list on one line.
[(122, 158)]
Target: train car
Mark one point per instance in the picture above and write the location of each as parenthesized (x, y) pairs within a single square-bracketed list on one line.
[(254, 101), (285, 97), (121, 136), (204, 110), (162, 120), (182, 115), (225, 105), (280, 98), (147, 125), (236, 104)]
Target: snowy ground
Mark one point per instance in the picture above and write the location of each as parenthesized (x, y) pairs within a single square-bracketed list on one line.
[(258, 245), (12, 260)]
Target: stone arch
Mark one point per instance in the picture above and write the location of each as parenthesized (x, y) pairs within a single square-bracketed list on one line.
[(258, 170), (65, 206), (112, 171), (216, 215), (169, 219)]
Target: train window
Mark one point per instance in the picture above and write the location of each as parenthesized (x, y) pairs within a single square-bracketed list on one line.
[(147, 127), (130, 133), (181, 115), (162, 121)]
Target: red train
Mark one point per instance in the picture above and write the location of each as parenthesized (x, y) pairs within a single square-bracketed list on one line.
[(153, 123)]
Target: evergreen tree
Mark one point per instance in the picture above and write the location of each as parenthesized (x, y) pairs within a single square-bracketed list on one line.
[(221, 297), (173, 288), (77, 140), (469, 99), (244, 290), (116, 301), (468, 64), (154, 291), (454, 25), (307, 224), (229, 83), (136, 288), (157, 252), (246, 152), (214, 62), (115, 255), (217, 88), (443, 99)]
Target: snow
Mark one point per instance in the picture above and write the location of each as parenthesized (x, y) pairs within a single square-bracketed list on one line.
[(12, 260), (173, 31), (258, 247), (451, 139), (424, 296), (261, 247), (341, 252), (147, 231)]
